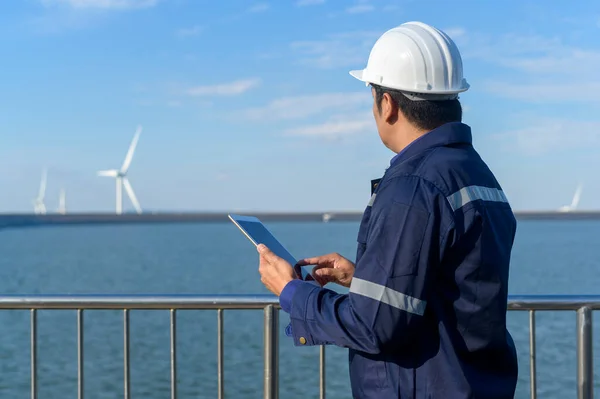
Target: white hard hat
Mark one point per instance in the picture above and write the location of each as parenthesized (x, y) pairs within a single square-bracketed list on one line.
[(418, 60)]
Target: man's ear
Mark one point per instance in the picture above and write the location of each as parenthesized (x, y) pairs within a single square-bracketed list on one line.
[(389, 109)]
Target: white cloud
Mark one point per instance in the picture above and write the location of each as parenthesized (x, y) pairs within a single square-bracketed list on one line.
[(350, 49), (260, 7), (496, 49), (304, 106), (222, 176), (103, 4), (360, 9), (391, 7), (65, 15), (455, 32), (546, 92), (560, 60), (56, 21), (548, 69), (302, 3), (225, 89), (542, 135), (351, 114), (532, 54), (339, 126), (192, 31)]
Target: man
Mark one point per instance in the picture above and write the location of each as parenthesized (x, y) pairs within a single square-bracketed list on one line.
[(425, 316)]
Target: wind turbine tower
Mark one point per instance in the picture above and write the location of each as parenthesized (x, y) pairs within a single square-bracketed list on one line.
[(38, 203), (574, 202), (120, 176), (62, 205)]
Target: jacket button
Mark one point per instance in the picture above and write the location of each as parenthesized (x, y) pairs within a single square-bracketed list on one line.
[(302, 340)]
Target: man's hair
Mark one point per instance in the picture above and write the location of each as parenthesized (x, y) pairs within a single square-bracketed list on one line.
[(424, 114)]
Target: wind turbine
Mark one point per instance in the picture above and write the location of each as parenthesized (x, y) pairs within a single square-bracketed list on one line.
[(38, 203), (62, 206), (120, 176), (574, 202)]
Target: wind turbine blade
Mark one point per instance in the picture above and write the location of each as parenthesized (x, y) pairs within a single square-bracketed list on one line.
[(576, 197), (109, 173), (131, 150), (131, 195)]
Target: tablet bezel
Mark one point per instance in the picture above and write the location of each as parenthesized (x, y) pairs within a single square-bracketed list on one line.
[(234, 218)]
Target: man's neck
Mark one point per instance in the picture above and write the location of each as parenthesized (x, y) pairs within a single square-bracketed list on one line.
[(406, 137)]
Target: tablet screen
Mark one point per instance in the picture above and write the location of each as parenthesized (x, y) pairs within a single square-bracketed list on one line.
[(259, 234)]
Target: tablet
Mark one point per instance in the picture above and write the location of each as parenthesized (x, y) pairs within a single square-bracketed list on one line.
[(258, 233)]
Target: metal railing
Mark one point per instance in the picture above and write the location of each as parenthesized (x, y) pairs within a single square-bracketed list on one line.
[(582, 305)]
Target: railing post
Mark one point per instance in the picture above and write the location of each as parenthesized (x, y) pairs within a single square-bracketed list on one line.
[(126, 372), (173, 354), (33, 354), (322, 372), (532, 355), (220, 372), (271, 383), (79, 353), (585, 370)]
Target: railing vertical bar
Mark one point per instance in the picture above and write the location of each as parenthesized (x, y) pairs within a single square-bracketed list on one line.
[(322, 372), (126, 371), (585, 370), (33, 354), (271, 355), (173, 354), (80, 353), (220, 375), (532, 355)]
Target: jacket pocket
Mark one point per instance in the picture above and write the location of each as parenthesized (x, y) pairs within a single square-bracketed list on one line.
[(368, 374), (400, 239)]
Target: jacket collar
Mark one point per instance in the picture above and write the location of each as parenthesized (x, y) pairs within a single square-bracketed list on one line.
[(447, 134)]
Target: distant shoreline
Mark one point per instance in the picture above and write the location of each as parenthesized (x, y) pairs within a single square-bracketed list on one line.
[(8, 220)]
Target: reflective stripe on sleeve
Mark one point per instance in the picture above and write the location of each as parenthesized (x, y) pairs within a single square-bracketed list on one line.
[(474, 193), (388, 296)]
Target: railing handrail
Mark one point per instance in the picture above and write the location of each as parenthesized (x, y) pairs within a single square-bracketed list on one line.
[(553, 302), (234, 301), (583, 305), (137, 301)]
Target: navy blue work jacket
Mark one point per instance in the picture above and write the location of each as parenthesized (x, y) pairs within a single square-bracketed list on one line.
[(425, 316)]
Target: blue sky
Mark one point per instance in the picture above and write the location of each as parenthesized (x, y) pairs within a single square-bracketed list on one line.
[(249, 105)]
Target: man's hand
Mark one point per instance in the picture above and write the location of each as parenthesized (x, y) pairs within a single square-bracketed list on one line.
[(331, 268), (275, 272)]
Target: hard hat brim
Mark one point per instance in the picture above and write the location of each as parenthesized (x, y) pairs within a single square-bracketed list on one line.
[(358, 74)]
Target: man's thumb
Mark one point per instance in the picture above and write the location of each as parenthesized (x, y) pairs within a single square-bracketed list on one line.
[(264, 251)]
